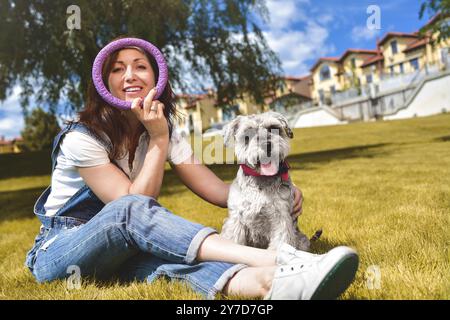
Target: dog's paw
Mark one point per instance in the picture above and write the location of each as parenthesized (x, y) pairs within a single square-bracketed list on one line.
[(316, 235)]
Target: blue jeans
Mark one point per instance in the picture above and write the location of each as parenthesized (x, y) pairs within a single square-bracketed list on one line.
[(131, 238)]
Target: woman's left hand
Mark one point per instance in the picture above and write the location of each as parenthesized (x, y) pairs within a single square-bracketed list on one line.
[(298, 202)]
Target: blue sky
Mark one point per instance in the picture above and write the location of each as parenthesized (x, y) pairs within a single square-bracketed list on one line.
[(300, 32)]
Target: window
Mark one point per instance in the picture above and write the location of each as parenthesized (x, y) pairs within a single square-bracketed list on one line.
[(333, 90), (394, 48), (321, 96), (369, 78), (391, 69), (402, 70), (415, 63), (325, 73), (353, 63), (445, 55)]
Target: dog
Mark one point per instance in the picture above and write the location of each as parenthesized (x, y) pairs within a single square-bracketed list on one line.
[(261, 197)]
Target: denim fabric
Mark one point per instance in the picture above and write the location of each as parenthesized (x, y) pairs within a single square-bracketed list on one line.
[(133, 237)]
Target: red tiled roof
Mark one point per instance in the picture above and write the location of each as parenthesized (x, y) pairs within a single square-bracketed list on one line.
[(363, 51), (293, 78), (397, 34), (437, 17), (372, 60), (417, 44), (331, 59)]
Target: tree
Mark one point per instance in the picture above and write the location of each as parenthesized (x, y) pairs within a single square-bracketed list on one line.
[(40, 129), (220, 39), (440, 10)]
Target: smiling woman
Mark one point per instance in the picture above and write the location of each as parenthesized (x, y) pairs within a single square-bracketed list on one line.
[(103, 217), (115, 46)]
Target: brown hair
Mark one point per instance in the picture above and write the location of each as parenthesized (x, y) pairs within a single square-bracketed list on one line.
[(102, 118)]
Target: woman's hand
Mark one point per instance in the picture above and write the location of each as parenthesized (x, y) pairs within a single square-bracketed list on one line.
[(151, 115), (298, 202)]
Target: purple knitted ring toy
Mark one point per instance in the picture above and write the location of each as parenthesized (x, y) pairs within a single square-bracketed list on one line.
[(118, 44)]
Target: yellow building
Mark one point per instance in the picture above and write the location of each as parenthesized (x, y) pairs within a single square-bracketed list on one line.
[(396, 60), (293, 91), (351, 73), (372, 69), (10, 146), (197, 112), (398, 53), (325, 79)]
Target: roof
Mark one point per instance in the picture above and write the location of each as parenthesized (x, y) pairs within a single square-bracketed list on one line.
[(294, 78), (416, 44), (191, 98), (436, 18), (361, 51), (329, 59), (389, 35), (371, 60)]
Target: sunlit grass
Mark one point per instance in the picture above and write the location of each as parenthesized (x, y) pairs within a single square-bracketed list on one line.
[(382, 188)]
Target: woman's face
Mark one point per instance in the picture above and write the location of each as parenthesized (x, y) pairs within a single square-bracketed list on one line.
[(131, 75)]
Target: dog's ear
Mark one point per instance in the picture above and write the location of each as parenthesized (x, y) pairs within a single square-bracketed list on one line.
[(230, 130), (284, 123)]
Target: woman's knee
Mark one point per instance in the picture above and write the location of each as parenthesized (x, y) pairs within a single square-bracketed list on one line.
[(134, 206)]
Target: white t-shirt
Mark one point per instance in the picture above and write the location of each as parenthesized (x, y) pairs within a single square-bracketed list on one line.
[(81, 150)]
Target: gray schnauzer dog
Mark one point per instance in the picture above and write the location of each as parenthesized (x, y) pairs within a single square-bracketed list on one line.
[(261, 197)]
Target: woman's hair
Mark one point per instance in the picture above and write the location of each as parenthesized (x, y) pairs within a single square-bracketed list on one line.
[(102, 118)]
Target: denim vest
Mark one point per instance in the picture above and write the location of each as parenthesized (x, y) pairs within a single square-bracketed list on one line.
[(79, 209)]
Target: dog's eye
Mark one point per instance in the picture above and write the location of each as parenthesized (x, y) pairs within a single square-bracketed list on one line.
[(274, 129), (246, 140)]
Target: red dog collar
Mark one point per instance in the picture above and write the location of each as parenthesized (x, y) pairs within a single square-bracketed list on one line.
[(282, 171)]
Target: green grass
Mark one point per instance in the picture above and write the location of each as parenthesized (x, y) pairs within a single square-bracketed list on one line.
[(382, 188)]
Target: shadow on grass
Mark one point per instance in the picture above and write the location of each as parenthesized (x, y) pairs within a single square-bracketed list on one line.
[(303, 161), (324, 245), (34, 163), (18, 204), (442, 139)]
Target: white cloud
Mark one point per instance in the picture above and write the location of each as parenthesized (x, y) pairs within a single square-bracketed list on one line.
[(363, 33), (296, 49), (10, 127), (285, 12)]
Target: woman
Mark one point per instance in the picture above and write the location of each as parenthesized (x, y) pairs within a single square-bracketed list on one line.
[(100, 212)]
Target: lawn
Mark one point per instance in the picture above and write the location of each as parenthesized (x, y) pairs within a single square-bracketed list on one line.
[(380, 187)]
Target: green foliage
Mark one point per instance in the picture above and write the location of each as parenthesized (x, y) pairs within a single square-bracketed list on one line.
[(220, 39), (40, 129), (442, 23)]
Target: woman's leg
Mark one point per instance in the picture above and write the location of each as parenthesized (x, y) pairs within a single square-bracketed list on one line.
[(217, 248), (125, 227), (206, 278), (251, 282)]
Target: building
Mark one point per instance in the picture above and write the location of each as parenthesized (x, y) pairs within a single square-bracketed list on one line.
[(200, 112), (10, 146), (397, 54), (294, 92), (325, 80), (350, 71), (197, 112)]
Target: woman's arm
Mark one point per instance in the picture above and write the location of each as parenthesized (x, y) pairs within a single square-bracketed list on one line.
[(109, 183), (202, 181)]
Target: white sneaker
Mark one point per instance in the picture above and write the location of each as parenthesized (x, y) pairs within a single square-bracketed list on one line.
[(322, 278), (287, 254)]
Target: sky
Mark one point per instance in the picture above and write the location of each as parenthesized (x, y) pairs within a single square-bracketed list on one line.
[(299, 32)]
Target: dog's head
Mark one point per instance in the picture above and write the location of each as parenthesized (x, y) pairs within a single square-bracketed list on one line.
[(261, 141)]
